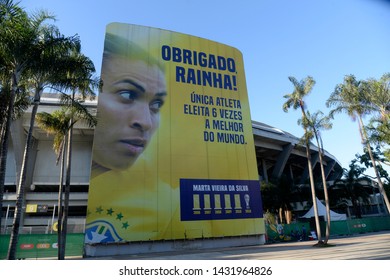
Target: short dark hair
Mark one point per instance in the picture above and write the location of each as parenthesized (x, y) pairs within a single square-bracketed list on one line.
[(115, 45)]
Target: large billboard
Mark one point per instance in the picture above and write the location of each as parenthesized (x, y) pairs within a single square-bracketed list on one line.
[(173, 154)]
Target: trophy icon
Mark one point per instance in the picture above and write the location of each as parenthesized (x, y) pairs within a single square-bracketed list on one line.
[(247, 199)]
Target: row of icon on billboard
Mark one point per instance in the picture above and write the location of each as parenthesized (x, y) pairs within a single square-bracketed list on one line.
[(222, 204)]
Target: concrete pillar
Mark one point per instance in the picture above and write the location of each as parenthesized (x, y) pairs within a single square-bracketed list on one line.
[(282, 160), (329, 168), (265, 174)]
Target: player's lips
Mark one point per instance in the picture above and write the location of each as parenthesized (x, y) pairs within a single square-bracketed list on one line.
[(134, 145)]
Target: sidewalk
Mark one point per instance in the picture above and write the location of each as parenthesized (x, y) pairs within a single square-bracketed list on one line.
[(370, 246)]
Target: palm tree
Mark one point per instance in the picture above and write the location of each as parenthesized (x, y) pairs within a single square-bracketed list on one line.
[(78, 76), (59, 124), (15, 40), (295, 100), (379, 126), (352, 97), (19, 35), (80, 79), (379, 134), (314, 124), (379, 96), (41, 68), (353, 186), (21, 103)]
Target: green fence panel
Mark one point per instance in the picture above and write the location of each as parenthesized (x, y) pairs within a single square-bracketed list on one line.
[(38, 246), (360, 226), (337, 228), (4, 243), (380, 223), (356, 226)]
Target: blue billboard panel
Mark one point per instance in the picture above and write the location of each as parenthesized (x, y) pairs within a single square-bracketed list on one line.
[(204, 199)]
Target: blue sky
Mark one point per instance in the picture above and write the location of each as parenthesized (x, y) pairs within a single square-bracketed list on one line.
[(326, 39)]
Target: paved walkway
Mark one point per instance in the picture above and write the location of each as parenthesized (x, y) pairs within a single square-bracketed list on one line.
[(373, 246)]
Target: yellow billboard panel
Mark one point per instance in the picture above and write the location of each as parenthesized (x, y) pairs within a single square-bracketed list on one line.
[(173, 153)]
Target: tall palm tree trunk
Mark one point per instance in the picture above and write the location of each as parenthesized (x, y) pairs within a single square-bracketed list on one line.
[(67, 186), (60, 203), (312, 187), (66, 195), (4, 153), (328, 219), (22, 182), (3, 162), (313, 193), (4, 140), (378, 177)]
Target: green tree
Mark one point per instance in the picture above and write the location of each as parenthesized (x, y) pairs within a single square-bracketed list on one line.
[(15, 40), (81, 80), (277, 197), (353, 186), (59, 124), (21, 103), (314, 124), (379, 134), (378, 157), (352, 97), (378, 129), (43, 68), (296, 101), (379, 96), (270, 196)]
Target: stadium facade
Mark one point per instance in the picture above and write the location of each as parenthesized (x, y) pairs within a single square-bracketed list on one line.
[(277, 152)]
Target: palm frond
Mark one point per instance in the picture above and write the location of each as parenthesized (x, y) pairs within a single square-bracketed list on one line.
[(78, 109)]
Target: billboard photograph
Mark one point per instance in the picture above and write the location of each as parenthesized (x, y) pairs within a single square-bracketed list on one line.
[(173, 154)]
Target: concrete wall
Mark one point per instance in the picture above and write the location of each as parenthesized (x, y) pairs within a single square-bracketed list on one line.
[(47, 172)]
